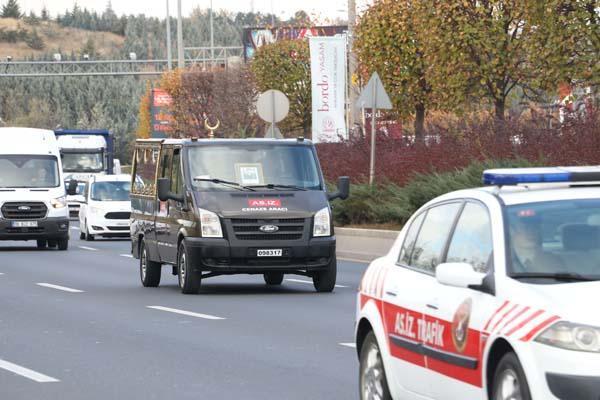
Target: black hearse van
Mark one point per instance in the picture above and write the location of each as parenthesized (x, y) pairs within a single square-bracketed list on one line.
[(213, 207)]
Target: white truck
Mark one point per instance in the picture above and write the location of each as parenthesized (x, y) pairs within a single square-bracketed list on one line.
[(85, 153), (33, 204)]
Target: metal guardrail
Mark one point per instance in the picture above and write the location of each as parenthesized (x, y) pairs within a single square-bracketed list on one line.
[(195, 56)]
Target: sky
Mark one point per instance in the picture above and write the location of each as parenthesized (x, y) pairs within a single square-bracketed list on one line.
[(283, 8)]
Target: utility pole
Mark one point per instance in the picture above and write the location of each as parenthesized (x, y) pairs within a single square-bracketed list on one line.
[(212, 37), (272, 15), (169, 61), (353, 90), (180, 59)]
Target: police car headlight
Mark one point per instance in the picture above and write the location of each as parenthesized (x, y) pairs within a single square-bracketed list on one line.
[(210, 224), (60, 202), (322, 225), (570, 336)]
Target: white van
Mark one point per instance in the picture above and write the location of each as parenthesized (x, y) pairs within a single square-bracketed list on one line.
[(33, 202)]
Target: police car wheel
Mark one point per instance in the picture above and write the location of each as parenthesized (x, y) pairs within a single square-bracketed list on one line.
[(52, 243), (41, 244), (81, 235), (149, 270), (510, 382), (373, 382), (189, 280), (324, 281), (273, 278)]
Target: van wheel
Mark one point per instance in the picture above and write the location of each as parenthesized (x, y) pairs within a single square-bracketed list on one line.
[(63, 244), (509, 380), (324, 280), (81, 235), (86, 235), (41, 244), (273, 278), (52, 243), (372, 379), (149, 270), (189, 280)]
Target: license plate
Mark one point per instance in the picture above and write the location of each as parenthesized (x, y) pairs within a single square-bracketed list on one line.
[(24, 224), (269, 253)]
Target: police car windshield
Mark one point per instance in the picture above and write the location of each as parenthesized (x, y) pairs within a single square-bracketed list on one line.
[(268, 166), (555, 240)]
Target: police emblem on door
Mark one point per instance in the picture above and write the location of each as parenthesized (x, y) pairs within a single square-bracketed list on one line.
[(460, 325)]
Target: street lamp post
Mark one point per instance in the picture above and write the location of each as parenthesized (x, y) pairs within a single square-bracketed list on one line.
[(353, 90), (212, 36), (180, 59), (169, 61)]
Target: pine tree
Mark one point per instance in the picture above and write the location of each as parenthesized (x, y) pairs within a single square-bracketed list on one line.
[(45, 14), (11, 9)]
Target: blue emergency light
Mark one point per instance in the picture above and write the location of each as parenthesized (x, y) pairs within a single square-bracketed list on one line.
[(516, 176)]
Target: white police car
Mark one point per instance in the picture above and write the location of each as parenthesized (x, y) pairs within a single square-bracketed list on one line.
[(489, 293)]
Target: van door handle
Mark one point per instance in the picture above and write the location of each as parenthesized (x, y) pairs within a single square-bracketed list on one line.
[(432, 306), (391, 293)]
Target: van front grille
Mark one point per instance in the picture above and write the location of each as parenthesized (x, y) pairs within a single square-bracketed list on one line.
[(118, 215), (24, 210), (249, 229)]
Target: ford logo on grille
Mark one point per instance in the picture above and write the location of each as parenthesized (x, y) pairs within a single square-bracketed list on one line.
[(24, 208), (269, 228)]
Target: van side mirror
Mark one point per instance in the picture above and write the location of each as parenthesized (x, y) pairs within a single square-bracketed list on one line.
[(460, 275), (164, 191), (164, 186), (343, 190), (72, 187)]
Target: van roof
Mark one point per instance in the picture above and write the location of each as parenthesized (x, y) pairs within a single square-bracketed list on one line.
[(200, 142), (28, 141)]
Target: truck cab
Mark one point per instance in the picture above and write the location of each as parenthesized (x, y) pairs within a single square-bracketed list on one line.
[(33, 203), (232, 206), (85, 153)]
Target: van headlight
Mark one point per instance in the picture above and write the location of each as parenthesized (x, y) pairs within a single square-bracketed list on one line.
[(570, 336), (322, 224), (210, 224), (60, 202)]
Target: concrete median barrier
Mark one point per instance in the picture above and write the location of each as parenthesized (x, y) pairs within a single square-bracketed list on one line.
[(363, 245)]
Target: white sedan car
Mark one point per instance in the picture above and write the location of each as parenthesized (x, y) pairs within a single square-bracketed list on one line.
[(106, 208), (489, 293)]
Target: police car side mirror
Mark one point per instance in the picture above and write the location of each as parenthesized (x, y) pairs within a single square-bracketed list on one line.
[(461, 275), (343, 190)]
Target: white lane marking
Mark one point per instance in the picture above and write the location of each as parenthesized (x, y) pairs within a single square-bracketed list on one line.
[(26, 372), (310, 282), (75, 228), (183, 312), (87, 248), (1, 273), (351, 345), (126, 255), (63, 288)]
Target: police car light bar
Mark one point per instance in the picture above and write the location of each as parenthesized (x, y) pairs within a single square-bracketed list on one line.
[(516, 176)]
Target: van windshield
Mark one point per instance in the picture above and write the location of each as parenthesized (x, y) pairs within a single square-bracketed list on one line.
[(555, 240), (82, 162), (28, 171), (110, 191), (254, 165)]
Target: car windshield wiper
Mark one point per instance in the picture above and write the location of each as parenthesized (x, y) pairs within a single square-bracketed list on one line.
[(278, 186), (559, 276), (224, 182)]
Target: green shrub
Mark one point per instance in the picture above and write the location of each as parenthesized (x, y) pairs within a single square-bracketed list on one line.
[(392, 204)]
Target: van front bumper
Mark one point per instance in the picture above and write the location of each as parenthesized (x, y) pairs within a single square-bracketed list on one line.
[(219, 255), (50, 228)]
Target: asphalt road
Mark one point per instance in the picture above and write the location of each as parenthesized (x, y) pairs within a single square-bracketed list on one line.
[(79, 325)]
